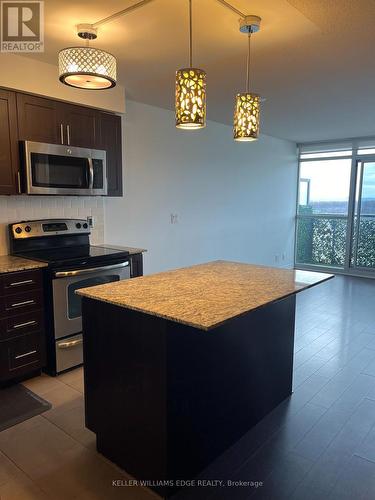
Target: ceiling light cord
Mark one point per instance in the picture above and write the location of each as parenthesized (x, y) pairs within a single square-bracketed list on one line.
[(248, 64), (190, 34)]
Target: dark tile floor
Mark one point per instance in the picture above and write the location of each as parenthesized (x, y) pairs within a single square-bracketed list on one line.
[(320, 443)]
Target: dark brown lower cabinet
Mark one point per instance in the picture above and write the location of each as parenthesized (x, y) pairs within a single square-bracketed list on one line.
[(179, 397), (136, 265), (22, 340)]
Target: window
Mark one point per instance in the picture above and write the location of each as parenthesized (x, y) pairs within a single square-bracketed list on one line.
[(335, 226)]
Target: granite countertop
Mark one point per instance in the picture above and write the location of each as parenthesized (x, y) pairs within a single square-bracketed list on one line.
[(207, 295), (131, 250), (11, 264)]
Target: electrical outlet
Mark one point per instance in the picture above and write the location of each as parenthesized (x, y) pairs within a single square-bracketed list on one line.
[(174, 218), (91, 221)]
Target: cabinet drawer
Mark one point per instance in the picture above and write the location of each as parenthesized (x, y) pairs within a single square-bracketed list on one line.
[(21, 355), (15, 326), (20, 303), (20, 282)]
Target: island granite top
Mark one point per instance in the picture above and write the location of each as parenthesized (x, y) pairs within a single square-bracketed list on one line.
[(206, 295), (11, 264)]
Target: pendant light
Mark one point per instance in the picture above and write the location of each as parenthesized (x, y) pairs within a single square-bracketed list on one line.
[(87, 67), (190, 91), (247, 106)]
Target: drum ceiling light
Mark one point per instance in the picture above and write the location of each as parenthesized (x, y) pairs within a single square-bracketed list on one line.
[(87, 67)]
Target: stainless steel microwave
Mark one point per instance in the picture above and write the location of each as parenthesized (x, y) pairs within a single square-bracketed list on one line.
[(64, 170)]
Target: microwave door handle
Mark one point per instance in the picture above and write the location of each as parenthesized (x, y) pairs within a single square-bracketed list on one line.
[(91, 173)]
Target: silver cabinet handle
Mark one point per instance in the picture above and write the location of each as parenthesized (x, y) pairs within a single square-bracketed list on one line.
[(19, 182), (72, 343), (79, 272), (22, 325), (26, 302), (26, 354), (62, 133), (68, 134), (18, 283)]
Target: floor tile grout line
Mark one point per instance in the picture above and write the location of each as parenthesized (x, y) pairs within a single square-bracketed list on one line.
[(26, 474)]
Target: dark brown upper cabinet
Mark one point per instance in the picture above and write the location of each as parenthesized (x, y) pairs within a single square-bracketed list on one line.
[(8, 144), (55, 122), (38, 119), (109, 127), (80, 126), (27, 117)]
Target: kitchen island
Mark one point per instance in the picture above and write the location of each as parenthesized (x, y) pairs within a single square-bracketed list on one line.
[(179, 365)]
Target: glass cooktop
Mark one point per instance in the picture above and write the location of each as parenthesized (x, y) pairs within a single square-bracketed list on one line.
[(79, 255)]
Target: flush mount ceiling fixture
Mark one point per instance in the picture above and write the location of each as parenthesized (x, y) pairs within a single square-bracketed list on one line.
[(93, 69), (87, 67), (247, 107)]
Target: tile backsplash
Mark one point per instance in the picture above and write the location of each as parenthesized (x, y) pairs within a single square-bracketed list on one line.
[(18, 208)]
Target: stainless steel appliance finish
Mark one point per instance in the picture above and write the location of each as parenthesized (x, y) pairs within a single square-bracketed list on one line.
[(72, 264), (67, 305), (64, 170), (37, 228), (69, 353)]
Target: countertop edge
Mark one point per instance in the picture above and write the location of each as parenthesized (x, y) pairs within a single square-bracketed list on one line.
[(200, 326), (28, 265), (131, 250)]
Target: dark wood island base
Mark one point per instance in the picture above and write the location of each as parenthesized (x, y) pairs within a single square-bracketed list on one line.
[(165, 399)]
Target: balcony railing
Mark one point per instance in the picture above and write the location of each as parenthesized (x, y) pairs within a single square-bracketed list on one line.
[(321, 240)]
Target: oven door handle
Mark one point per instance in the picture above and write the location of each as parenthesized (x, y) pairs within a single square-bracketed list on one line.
[(80, 272), (71, 343)]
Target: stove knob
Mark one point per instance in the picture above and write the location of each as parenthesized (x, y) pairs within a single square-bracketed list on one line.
[(27, 229), (18, 230), (85, 225), (78, 225)]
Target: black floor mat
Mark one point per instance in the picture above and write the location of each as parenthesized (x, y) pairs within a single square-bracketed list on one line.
[(18, 404)]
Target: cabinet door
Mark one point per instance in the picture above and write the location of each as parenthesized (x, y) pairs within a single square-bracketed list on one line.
[(38, 119), (136, 265), (111, 142), (8, 143), (81, 126)]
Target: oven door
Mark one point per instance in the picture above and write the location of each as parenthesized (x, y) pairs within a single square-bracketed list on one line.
[(64, 170), (67, 304)]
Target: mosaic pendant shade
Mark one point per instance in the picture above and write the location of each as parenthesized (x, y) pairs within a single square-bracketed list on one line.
[(246, 117), (87, 68), (190, 98)]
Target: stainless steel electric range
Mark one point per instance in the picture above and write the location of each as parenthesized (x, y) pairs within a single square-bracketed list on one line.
[(72, 264)]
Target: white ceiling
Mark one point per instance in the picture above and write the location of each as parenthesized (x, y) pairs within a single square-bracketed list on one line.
[(313, 60)]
